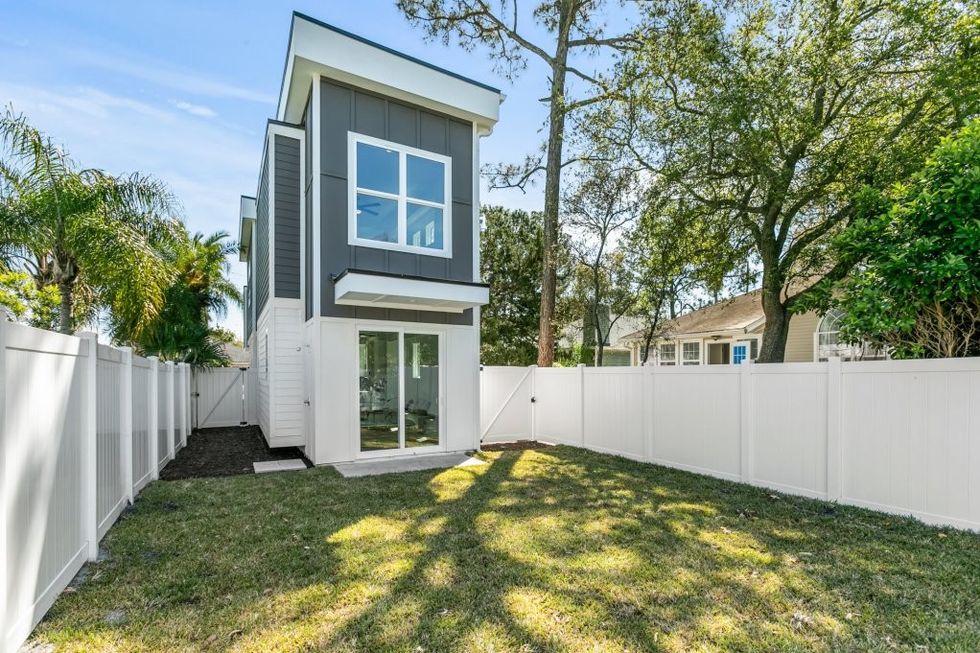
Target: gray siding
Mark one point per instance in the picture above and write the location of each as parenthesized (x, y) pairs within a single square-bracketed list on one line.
[(260, 240), (342, 109), (286, 216)]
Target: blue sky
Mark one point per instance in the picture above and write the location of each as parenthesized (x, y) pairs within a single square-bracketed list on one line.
[(182, 89)]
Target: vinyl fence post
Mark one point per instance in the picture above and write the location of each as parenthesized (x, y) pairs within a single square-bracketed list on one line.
[(153, 403), (90, 446), (835, 488), (169, 407), (182, 369), (126, 420), (581, 404), (187, 397), (747, 405), (533, 430)]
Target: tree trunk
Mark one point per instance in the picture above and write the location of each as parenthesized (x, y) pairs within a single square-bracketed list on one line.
[(773, 348), (552, 188), (64, 312)]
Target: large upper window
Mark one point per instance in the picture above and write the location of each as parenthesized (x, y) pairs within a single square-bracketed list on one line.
[(399, 197)]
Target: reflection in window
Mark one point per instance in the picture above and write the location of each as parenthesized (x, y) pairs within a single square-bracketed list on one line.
[(421, 374), (691, 352), (668, 354), (377, 218), (424, 226), (377, 169)]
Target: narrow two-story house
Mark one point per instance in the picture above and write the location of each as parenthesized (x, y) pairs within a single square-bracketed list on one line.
[(362, 243)]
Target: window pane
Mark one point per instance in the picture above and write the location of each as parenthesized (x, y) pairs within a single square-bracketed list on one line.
[(424, 226), (378, 395), (377, 168), (377, 218), (421, 372), (426, 179)]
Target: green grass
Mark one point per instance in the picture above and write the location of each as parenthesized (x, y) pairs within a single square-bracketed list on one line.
[(548, 550)]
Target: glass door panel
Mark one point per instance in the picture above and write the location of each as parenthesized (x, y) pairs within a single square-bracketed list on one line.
[(379, 396), (421, 373)]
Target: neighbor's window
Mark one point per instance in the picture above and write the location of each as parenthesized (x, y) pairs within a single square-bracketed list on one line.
[(691, 352), (399, 197), (668, 354)]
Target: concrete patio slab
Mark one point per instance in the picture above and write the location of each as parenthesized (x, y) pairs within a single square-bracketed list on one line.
[(268, 466), (406, 464)]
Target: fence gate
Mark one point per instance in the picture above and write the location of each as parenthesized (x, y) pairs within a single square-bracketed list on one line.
[(220, 397), (506, 394)]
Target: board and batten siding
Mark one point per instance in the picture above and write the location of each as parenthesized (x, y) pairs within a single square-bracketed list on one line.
[(344, 109), (286, 216)]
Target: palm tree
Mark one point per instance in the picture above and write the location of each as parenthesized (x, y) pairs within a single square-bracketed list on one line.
[(94, 236), (201, 291)]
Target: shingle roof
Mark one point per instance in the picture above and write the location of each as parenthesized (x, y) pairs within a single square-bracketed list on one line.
[(733, 314)]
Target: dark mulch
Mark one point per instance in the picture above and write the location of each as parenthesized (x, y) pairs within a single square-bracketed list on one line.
[(224, 452), (515, 445)]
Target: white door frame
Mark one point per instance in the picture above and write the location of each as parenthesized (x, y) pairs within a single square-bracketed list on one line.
[(401, 328)]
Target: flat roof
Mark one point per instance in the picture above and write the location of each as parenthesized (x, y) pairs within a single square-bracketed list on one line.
[(318, 49), (397, 53)]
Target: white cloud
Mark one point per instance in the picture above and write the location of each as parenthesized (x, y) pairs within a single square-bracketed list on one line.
[(162, 74), (207, 164), (194, 109)]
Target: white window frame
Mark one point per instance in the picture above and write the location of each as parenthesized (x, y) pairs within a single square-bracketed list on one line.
[(671, 362), (353, 138), (684, 361), (402, 328)]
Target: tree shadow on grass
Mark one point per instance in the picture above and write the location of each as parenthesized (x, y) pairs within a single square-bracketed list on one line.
[(541, 550)]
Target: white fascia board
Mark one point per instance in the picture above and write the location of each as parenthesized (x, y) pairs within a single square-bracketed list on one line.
[(245, 226), (382, 291), (315, 49)]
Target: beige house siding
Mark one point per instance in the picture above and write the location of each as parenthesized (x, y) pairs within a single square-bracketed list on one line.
[(799, 339)]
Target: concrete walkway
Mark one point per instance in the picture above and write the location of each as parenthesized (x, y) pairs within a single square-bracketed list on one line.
[(406, 464)]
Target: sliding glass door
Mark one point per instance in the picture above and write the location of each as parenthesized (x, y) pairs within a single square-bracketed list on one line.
[(399, 391)]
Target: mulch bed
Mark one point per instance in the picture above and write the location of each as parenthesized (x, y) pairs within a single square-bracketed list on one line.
[(516, 445), (224, 452)]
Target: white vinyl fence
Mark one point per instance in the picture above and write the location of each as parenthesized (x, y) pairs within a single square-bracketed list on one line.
[(83, 427), (897, 436)]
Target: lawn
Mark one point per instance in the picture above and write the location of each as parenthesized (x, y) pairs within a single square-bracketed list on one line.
[(549, 550)]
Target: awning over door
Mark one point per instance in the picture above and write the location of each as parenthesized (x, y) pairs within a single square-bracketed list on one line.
[(386, 290)]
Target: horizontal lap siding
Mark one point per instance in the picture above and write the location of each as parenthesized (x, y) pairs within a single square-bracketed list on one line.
[(287, 216), (261, 278), (344, 109)]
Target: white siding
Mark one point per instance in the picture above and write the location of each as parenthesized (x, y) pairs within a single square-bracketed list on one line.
[(263, 371), (287, 361)]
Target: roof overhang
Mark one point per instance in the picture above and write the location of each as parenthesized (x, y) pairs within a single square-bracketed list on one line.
[(385, 290), (246, 226), (316, 48)]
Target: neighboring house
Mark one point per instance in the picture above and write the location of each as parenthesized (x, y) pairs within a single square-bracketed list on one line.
[(616, 351), (362, 242), (237, 357), (729, 331)]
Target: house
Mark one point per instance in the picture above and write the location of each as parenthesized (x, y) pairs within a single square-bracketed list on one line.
[(362, 312), (616, 350), (729, 331)]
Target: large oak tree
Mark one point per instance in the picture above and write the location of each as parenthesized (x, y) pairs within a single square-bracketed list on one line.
[(772, 116)]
